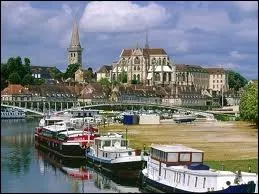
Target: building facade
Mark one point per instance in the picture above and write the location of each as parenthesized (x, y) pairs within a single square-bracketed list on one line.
[(147, 66), (218, 80), (75, 50), (192, 75), (104, 72)]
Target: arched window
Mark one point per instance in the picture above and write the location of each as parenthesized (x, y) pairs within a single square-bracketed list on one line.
[(114, 76), (154, 61), (136, 60), (74, 54), (71, 54), (138, 68), (134, 77), (157, 77), (169, 77), (164, 61), (159, 61), (138, 77), (134, 68)]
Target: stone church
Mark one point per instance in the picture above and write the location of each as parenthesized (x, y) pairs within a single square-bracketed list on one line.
[(147, 66), (75, 54)]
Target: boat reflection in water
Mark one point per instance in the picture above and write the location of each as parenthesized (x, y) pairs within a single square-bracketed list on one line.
[(84, 178)]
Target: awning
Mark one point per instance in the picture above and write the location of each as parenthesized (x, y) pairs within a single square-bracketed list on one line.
[(149, 75)]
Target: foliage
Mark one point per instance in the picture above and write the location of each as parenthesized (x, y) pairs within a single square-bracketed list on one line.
[(55, 73), (249, 103), (104, 82), (123, 77), (39, 81), (225, 102), (28, 79), (71, 69), (134, 81), (222, 117), (235, 80), (89, 75), (14, 78)]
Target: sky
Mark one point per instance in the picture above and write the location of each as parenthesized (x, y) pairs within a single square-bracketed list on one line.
[(209, 34)]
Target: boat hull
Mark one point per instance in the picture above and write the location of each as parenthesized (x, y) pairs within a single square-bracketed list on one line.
[(149, 184), (58, 147), (129, 170)]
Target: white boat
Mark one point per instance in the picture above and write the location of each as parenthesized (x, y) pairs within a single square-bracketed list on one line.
[(113, 154), (177, 168), (184, 117), (11, 113)]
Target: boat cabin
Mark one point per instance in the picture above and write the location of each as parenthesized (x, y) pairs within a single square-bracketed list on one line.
[(173, 155), (113, 146)]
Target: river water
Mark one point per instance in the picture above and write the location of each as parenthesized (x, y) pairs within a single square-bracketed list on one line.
[(25, 169)]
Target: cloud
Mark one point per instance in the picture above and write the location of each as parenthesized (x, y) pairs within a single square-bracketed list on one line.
[(182, 47), (247, 6), (123, 16), (236, 55)]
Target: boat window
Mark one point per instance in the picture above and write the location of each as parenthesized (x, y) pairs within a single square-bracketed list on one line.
[(179, 179), (183, 178), (174, 176), (188, 180), (204, 180), (123, 143), (107, 143), (196, 179)]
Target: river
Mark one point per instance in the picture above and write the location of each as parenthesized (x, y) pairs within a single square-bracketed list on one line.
[(25, 169)]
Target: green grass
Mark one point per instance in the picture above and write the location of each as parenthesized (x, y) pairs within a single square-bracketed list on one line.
[(235, 165)]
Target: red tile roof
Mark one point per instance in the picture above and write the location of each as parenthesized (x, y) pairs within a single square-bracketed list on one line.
[(13, 89)]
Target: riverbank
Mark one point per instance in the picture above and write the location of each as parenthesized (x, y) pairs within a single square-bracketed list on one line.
[(221, 141)]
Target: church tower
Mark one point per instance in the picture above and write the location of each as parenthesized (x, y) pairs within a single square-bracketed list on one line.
[(75, 50)]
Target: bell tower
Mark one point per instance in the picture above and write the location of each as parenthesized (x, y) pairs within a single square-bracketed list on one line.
[(75, 50)]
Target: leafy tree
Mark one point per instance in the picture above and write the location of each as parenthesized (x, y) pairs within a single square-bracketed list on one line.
[(39, 81), (122, 77), (249, 103), (55, 73), (235, 80), (14, 78), (104, 82), (70, 72), (28, 79), (26, 66)]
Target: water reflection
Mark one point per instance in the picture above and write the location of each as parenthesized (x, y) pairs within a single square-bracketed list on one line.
[(82, 177)]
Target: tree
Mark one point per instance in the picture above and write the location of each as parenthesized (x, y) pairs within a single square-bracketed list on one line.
[(14, 78), (70, 72), (28, 79), (123, 77), (104, 82), (26, 66), (235, 80), (249, 103)]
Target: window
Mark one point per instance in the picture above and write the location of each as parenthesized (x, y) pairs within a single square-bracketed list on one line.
[(188, 182), (204, 180), (217, 81), (134, 77), (221, 81), (213, 81), (183, 178), (213, 86), (196, 180)]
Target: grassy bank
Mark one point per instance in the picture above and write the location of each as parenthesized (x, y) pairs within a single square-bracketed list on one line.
[(234, 143), (235, 165)]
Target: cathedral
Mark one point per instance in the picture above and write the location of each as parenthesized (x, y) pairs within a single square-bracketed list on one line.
[(147, 66)]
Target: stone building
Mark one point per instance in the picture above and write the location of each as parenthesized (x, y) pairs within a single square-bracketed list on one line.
[(75, 50), (192, 75), (104, 72), (218, 79), (147, 66)]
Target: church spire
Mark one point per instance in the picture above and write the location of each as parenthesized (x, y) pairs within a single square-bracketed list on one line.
[(75, 37), (147, 45)]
